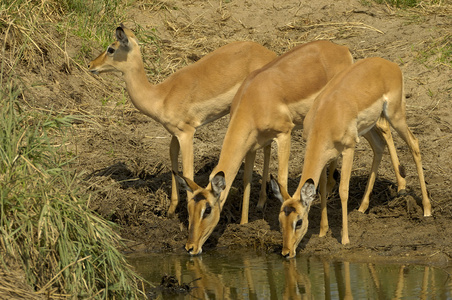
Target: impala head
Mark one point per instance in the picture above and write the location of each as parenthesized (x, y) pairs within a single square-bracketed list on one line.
[(293, 216), (203, 210), (119, 55)]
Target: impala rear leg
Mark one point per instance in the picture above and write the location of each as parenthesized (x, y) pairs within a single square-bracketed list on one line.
[(395, 114), (377, 137), (377, 144), (385, 132), (405, 133)]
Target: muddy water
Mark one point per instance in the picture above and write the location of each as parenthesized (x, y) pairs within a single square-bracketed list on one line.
[(248, 275)]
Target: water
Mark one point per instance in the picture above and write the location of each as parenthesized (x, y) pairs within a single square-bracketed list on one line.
[(248, 275)]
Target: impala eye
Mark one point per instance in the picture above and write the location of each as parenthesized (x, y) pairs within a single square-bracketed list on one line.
[(207, 211), (111, 50), (299, 223)]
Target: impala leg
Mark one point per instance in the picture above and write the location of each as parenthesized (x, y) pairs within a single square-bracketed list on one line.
[(186, 144), (331, 181), (396, 116), (263, 193), (376, 142), (347, 163), (247, 177), (323, 209), (174, 154), (402, 129), (283, 141), (385, 132)]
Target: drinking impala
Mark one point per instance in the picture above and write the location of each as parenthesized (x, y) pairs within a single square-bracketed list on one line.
[(366, 95)]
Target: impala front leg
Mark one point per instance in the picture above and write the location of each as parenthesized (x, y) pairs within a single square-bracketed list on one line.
[(332, 177), (263, 192), (347, 163), (186, 144), (174, 154), (247, 177), (323, 210), (283, 141)]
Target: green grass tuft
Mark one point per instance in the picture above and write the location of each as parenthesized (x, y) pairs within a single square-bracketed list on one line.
[(64, 249), (45, 222)]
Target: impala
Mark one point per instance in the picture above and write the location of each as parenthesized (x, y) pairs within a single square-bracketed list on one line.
[(367, 94), (193, 96), (271, 102)]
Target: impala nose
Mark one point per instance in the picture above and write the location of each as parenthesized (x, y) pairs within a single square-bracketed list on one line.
[(192, 250), (286, 253), (90, 66)]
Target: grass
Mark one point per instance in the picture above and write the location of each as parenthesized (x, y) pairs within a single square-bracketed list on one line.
[(45, 222), (407, 3), (437, 52), (64, 249), (399, 3)]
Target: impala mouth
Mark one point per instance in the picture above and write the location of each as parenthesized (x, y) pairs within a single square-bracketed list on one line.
[(190, 251), (288, 255)]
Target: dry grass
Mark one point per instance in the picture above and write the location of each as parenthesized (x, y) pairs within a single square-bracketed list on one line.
[(13, 285)]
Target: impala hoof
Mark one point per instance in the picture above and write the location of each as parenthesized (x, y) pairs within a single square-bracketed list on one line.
[(402, 192)]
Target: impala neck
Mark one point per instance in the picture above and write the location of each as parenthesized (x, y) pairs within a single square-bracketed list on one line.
[(143, 94), (314, 162), (230, 167), (234, 149)]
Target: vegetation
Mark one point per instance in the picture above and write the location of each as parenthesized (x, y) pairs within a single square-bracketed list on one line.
[(46, 226), (407, 3)]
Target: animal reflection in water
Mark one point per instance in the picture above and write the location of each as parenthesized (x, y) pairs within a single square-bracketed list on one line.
[(253, 278)]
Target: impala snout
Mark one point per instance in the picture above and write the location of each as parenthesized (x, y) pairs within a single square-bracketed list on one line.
[(94, 71), (193, 249), (193, 245), (289, 246), (287, 253)]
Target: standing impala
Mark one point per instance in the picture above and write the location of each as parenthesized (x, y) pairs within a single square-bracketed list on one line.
[(193, 96), (271, 102), (367, 94)]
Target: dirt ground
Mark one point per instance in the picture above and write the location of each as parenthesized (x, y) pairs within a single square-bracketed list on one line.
[(124, 155)]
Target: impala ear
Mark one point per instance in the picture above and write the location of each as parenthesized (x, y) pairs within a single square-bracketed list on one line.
[(122, 37), (308, 192), (218, 183), (279, 192), (185, 183)]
